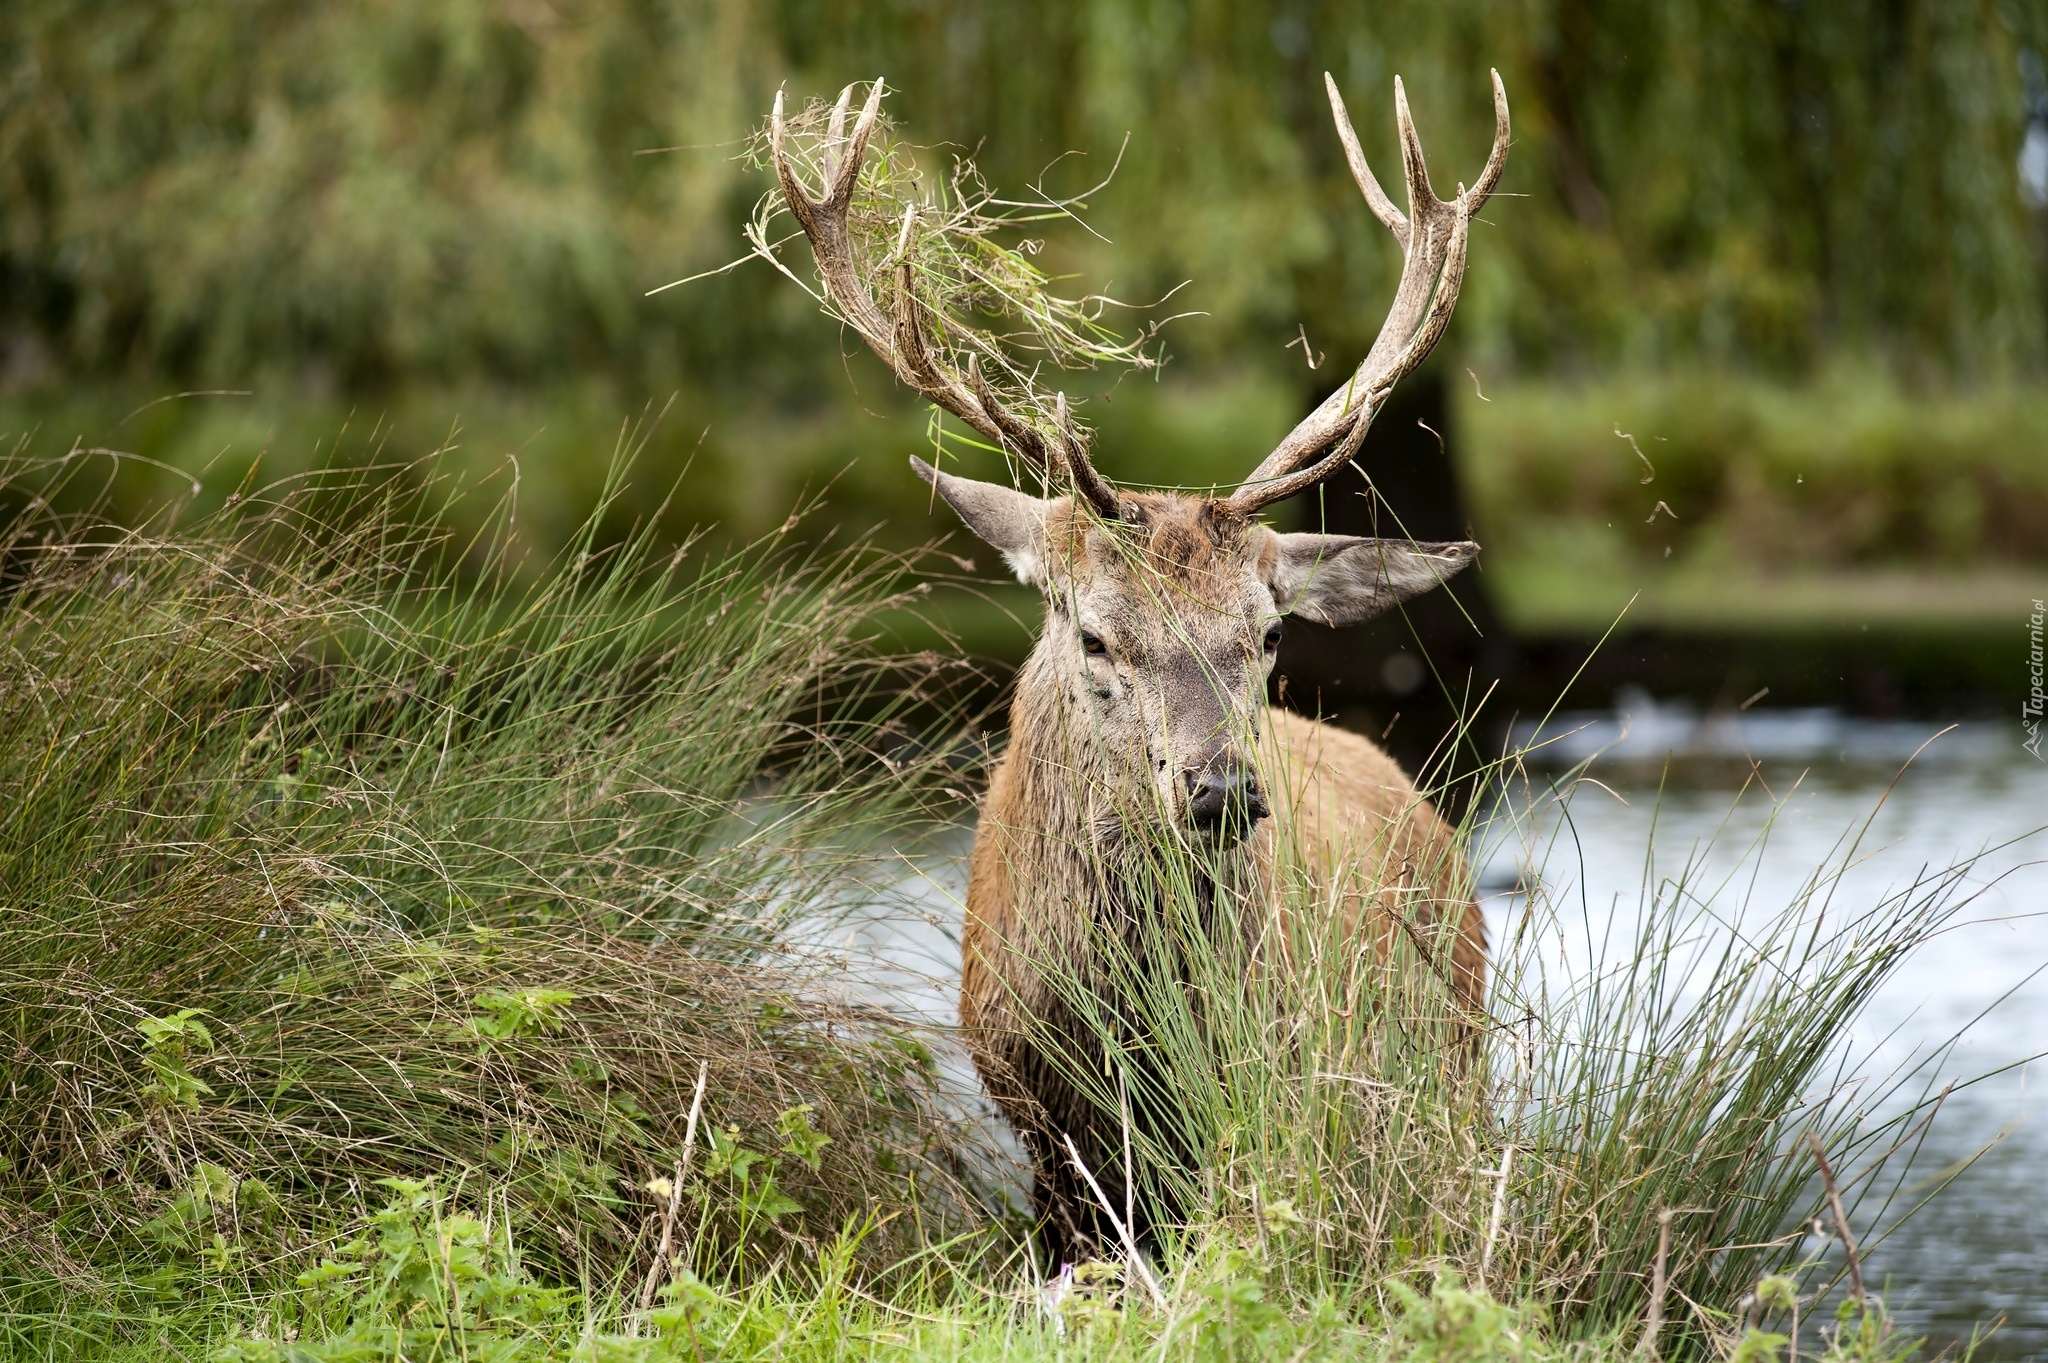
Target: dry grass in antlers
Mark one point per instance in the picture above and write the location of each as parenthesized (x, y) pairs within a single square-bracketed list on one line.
[(959, 255)]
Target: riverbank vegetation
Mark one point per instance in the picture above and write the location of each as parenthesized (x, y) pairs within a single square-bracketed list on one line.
[(1851, 501), (336, 853), (420, 892), (1719, 501), (403, 956)]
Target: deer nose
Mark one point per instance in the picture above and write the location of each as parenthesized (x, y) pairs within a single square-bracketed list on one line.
[(1224, 799)]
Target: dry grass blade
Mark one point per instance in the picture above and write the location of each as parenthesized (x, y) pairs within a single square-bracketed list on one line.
[(1841, 1219)]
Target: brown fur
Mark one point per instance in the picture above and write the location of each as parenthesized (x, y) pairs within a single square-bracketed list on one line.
[(1179, 579)]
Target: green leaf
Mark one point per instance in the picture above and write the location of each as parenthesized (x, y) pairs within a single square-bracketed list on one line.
[(799, 1137), (770, 1201), (512, 1013), (180, 1029)]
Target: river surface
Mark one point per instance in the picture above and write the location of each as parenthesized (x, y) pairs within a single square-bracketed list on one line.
[(1979, 1249), (1973, 1001)]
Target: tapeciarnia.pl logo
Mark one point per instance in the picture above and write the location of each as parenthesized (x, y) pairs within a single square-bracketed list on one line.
[(2037, 699)]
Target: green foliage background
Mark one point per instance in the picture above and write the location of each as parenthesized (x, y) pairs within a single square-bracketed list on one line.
[(384, 189), (406, 217)]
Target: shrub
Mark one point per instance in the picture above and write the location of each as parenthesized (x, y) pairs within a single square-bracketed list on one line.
[(1851, 471)]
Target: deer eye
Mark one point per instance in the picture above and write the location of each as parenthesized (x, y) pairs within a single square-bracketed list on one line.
[(1092, 645), (1273, 632)]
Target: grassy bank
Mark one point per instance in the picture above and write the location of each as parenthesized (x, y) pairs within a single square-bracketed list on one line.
[(1845, 502), (396, 960), (736, 465), (1728, 502), (336, 851)]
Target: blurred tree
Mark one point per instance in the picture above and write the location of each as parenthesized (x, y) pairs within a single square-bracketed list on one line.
[(365, 190)]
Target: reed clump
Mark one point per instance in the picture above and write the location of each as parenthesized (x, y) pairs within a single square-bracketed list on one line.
[(1627, 1142), (335, 851)]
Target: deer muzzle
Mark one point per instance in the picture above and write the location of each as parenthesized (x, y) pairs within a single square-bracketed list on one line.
[(1225, 800)]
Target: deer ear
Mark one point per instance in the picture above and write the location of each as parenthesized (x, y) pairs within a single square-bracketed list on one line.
[(1007, 520), (1345, 580)]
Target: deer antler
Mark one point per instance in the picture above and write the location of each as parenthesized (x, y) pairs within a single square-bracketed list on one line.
[(1433, 237), (900, 340)]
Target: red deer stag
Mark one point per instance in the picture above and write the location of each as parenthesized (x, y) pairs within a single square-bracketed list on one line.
[(1148, 683)]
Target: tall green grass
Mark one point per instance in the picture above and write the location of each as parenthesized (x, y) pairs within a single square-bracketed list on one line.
[(334, 850), (1308, 1097), (369, 911)]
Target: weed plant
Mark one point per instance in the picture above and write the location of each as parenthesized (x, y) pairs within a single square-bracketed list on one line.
[(431, 1277)]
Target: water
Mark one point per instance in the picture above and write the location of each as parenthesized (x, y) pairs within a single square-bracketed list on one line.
[(1978, 1250)]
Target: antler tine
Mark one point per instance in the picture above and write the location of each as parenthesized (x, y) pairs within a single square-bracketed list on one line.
[(857, 146), (1449, 282), (1420, 344), (900, 341), (1434, 237), (1368, 184), (1021, 436), (777, 132), (1087, 481), (1026, 440), (903, 236), (1414, 169), (1497, 158), (835, 133), (925, 374), (800, 203)]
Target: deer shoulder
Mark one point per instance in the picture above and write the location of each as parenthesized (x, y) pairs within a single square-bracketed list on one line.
[(1377, 856)]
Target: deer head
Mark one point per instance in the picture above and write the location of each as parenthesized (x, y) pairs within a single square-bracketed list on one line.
[(1164, 611)]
